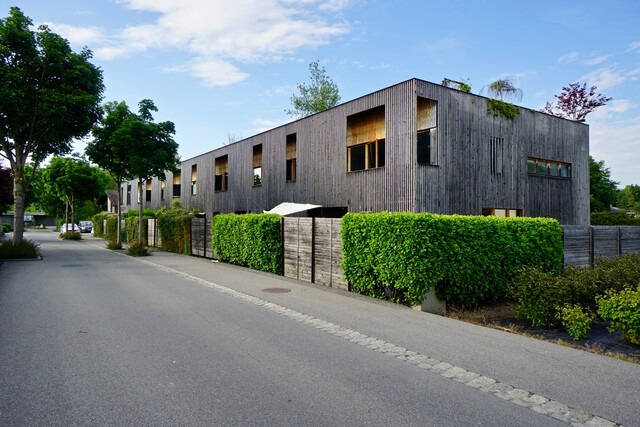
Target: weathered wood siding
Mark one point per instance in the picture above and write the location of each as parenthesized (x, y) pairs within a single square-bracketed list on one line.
[(459, 180), (313, 251), (584, 245)]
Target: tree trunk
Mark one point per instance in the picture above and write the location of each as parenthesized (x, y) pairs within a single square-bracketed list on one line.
[(140, 240), (73, 213), (66, 214), (118, 231), (18, 199)]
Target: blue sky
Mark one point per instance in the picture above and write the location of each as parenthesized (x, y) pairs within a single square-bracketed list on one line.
[(220, 68)]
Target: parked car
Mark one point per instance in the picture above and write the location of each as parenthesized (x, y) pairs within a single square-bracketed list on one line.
[(71, 227), (86, 226)]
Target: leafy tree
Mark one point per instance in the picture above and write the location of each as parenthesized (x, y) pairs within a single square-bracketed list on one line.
[(72, 181), (504, 88), (629, 197), (464, 84), (151, 148), (48, 96), (602, 189), (319, 95), (110, 146), (6, 189), (575, 102)]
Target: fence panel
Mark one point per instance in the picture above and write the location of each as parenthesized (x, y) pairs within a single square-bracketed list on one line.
[(201, 238), (583, 245), (629, 240)]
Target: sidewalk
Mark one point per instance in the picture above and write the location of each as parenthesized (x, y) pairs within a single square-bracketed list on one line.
[(598, 385)]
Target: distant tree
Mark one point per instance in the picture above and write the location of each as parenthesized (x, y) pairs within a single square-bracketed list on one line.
[(504, 88), (575, 102), (319, 95), (602, 189), (628, 197), (6, 189), (48, 96), (464, 84), (110, 146), (73, 181), (151, 149), (232, 137)]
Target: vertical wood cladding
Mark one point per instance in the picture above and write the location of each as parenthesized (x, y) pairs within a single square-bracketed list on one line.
[(458, 180)]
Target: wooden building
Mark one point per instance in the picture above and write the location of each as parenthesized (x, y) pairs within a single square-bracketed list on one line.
[(415, 146)]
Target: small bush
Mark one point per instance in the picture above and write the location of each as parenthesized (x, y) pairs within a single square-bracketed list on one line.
[(7, 228), (622, 309), (113, 245), (97, 220), (539, 294), (174, 227), (138, 250), (24, 249), (71, 236), (576, 320)]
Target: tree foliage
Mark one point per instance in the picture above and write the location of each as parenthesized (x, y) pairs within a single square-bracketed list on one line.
[(6, 189), (575, 102), (602, 189), (48, 96), (464, 84), (629, 198), (319, 95), (504, 88)]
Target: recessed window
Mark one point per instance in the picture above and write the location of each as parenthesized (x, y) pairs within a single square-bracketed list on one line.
[(426, 116), (366, 140), (222, 173), (257, 165), (176, 185), (501, 212), (148, 191), (163, 184), (495, 150), (128, 194), (548, 168), (291, 157), (194, 179)]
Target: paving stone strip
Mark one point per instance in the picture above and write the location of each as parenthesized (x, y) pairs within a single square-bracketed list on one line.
[(537, 403)]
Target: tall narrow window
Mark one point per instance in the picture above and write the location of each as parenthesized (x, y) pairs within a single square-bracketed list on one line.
[(176, 184), (426, 114), (128, 194), (291, 157), (366, 140), (222, 173), (163, 184), (148, 191), (495, 150), (257, 164), (194, 179)]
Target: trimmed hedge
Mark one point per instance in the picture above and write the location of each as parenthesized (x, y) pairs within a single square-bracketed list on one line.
[(174, 226), (97, 224), (112, 229), (131, 228), (613, 218), (468, 259), (250, 240)]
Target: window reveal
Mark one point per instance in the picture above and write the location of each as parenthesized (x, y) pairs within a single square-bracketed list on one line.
[(426, 115), (291, 156), (176, 185), (148, 191), (501, 212), (366, 135), (163, 184), (257, 165), (222, 173), (194, 179)]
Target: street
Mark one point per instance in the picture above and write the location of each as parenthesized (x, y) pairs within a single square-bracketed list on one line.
[(94, 337)]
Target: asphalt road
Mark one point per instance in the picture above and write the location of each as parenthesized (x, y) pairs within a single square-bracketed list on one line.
[(93, 337)]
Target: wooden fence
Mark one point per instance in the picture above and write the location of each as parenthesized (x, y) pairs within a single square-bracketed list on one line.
[(583, 245)]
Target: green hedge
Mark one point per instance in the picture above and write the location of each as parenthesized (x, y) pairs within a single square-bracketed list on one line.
[(112, 229), (174, 226), (131, 228), (613, 218), (250, 240), (468, 259), (97, 221)]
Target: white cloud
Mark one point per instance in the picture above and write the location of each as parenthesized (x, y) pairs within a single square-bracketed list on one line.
[(568, 58), (77, 35), (633, 46), (616, 106), (605, 78), (617, 144), (264, 125), (220, 35), (596, 60)]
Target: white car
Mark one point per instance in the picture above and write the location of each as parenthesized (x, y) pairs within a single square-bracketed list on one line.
[(71, 227)]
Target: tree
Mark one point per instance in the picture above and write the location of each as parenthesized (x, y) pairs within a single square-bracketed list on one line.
[(575, 102), (151, 149), (48, 96), (464, 84), (72, 181), (504, 88), (628, 197), (110, 146), (602, 190), (6, 189), (319, 95)]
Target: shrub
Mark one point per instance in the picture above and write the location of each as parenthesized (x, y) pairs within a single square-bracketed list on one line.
[(138, 250), (7, 228), (538, 294), (576, 320), (131, 228), (613, 218), (111, 232), (617, 273), (98, 228), (174, 226), (468, 259), (72, 235), (24, 249), (113, 245), (622, 309), (250, 240)]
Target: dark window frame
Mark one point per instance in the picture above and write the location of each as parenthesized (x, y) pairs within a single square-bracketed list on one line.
[(543, 167), (377, 147)]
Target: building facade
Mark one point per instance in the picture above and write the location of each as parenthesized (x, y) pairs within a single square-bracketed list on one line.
[(415, 146)]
